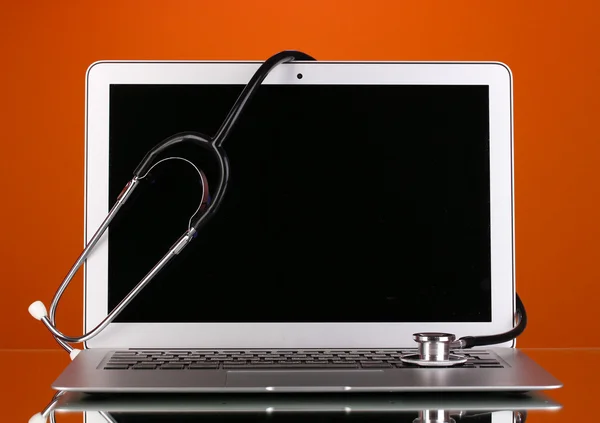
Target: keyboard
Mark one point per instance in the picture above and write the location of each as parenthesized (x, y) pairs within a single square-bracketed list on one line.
[(267, 359)]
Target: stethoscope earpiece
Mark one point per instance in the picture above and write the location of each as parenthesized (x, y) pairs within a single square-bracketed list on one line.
[(37, 418), (38, 310)]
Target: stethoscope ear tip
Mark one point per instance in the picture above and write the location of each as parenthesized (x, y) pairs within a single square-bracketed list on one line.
[(74, 353), (37, 418), (38, 310)]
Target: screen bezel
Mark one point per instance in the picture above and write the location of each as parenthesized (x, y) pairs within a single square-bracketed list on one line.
[(101, 75)]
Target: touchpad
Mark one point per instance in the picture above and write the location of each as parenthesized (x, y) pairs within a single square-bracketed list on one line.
[(274, 378)]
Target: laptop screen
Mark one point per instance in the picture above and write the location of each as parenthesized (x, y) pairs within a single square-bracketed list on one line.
[(346, 203)]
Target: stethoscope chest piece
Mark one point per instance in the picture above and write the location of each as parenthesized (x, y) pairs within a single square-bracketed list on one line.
[(434, 351)]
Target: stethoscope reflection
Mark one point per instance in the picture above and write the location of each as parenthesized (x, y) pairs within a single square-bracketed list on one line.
[(49, 412), (452, 416)]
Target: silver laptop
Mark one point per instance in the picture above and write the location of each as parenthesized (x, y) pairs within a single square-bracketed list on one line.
[(366, 202)]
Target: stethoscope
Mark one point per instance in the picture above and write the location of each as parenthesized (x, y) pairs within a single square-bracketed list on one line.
[(434, 348)]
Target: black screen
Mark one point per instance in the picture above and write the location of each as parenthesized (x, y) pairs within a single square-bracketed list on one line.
[(345, 204)]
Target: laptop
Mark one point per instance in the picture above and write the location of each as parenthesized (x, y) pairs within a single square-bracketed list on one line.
[(366, 201)]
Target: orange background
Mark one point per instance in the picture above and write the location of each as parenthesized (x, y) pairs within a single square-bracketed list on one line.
[(552, 48)]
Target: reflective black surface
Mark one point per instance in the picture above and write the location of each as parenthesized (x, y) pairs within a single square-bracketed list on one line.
[(295, 417), (344, 204), (418, 408)]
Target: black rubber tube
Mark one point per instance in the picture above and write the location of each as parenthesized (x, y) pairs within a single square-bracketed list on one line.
[(232, 117), (252, 87), (478, 341)]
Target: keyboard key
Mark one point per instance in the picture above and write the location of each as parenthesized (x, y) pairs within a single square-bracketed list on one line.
[(374, 365), (203, 366), (483, 362), (116, 367), (122, 362), (241, 366), (144, 367), (172, 367)]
